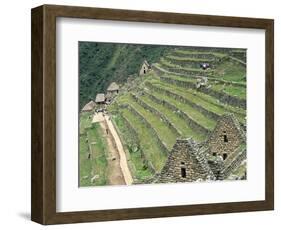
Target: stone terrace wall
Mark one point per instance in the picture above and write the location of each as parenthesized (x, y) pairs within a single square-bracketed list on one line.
[(189, 121), (135, 137), (225, 98), (160, 72), (162, 146), (194, 72), (206, 112), (231, 166), (198, 55), (156, 112), (222, 97), (188, 64)]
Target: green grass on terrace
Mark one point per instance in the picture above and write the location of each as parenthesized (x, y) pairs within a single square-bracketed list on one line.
[(169, 64), (213, 80), (163, 131), (85, 121), (204, 100), (187, 59), (178, 122), (148, 141), (232, 90), (97, 164), (138, 169), (235, 91), (193, 113), (230, 71), (199, 52)]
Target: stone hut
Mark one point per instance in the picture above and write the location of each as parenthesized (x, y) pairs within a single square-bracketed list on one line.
[(89, 106), (226, 137), (185, 164), (218, 158), (227, 148), (112, 90), (100, 98), (145, 68)]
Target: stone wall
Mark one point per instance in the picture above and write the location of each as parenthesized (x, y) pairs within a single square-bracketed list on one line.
[(226, 137), (144, 69), (196, 72), (156, 112), (162, 146), (190, 122), (198, 55), (231, 166), (204, 111), (222, 97), (185, 164), (135, 137), (189, 63), (225, 98), (160, 72)]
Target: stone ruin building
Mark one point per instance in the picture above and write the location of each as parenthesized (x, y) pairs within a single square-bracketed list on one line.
[(201, 81), (145, 68), (112, 91), (222, 156)]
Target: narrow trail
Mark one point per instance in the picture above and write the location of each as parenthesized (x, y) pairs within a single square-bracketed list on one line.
[(118, 144), (114, 173), (118, 170)]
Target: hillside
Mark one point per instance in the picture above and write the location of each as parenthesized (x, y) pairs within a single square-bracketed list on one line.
[(102, 63), (165, 104), (176, 99)]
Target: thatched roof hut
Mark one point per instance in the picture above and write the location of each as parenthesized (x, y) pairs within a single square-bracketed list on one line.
[(100, 98), (89, 106), (113, 87)]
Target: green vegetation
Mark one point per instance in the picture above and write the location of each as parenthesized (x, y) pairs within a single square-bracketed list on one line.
[(171, 65), (194, 52), (154, 110), (188, 59), (91, 142), (165, 134), (178, 122), (139, 165), (205, 100), (102, 63), (186, 108), (148, 141), (230, 71), (235, 91)]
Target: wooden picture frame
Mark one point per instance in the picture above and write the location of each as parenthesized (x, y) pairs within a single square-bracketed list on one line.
[(43, 205)]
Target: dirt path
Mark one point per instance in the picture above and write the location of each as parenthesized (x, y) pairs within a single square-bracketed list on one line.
[(118, 144), (115, 175), (118, 170)]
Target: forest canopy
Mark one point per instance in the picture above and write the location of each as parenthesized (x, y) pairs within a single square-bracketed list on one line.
[(102, 63)]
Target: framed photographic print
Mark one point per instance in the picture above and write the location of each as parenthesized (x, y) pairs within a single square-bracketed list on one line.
[(140, 114)]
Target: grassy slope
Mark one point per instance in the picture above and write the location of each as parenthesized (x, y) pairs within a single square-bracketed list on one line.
[(231, 71), (102, 63), (201, 99), (148, 142), (178, 122), (97, 164), (138, 167), (194, 114), (165, 134), (185, 51)]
